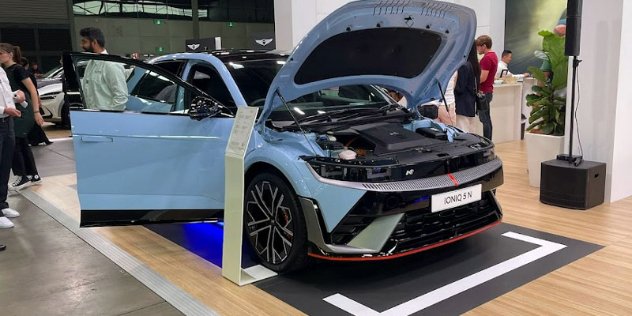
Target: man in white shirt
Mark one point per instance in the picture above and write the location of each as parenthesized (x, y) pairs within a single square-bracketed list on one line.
[(503, 64), (104, 84), (8, 99)]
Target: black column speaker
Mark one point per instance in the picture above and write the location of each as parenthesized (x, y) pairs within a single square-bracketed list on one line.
[(573, 27)]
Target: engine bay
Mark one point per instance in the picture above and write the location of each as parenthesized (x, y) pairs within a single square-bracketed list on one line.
[(387, 151), (386, 139)]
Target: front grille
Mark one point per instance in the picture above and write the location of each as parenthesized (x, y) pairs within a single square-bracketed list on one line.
[(420, 228), (443, 181)]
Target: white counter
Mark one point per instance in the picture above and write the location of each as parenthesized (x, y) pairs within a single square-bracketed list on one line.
[(506, 112)]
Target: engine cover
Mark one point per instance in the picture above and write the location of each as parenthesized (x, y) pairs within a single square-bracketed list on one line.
[(389, 138)]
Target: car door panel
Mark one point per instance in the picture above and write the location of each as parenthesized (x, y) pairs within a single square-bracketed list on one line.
[(134, 168)]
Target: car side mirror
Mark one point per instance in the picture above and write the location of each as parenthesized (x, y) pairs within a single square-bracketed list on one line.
[(203, 107)]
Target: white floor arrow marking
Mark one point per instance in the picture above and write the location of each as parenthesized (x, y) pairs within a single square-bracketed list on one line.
[(417, 304)]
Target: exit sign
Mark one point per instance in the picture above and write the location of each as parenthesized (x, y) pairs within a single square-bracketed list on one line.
[(158, 22), (230, 24), (160, 49)]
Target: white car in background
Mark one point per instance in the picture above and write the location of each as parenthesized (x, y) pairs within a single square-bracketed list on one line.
[(51, 92), (52, 96)]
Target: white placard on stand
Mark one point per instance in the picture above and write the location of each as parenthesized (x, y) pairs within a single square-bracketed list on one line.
[(234, 201)]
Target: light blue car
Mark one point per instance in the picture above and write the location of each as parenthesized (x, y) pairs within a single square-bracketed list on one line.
[(335, 168)]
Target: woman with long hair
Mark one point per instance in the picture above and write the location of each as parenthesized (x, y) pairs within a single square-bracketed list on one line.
[(465, 92), (23, 161)]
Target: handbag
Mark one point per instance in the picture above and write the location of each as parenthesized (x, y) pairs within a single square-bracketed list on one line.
[(481, 102), (480, 99)]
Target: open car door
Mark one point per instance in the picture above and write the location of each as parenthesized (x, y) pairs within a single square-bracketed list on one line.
[(140, 157)]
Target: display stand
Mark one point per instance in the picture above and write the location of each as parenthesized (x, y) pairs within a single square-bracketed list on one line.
[(234, 202)]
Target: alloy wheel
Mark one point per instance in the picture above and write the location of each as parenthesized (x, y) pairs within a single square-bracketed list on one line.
[(269, 222)]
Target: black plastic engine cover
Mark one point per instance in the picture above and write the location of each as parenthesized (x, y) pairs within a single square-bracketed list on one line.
[(390, 138)]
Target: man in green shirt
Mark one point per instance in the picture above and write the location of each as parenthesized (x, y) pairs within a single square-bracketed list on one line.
[(104, 84)]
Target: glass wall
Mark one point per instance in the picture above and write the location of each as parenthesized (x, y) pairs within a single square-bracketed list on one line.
[(38, 42), (253, 11)]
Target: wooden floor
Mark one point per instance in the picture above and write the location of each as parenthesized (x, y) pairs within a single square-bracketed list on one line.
[(599, 284), (54, 132)]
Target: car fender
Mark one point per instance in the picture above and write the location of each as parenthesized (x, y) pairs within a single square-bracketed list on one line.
[(334, 201)]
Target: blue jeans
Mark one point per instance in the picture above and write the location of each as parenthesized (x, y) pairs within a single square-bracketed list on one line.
[(486, 118)]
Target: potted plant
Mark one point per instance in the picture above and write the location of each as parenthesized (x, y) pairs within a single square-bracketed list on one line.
[(545, 139)]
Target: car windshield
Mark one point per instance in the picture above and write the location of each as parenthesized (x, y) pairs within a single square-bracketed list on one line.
[(53, 73), (255, 77)]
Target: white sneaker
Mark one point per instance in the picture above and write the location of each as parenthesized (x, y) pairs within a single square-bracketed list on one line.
[(5, 222), (10, 213)]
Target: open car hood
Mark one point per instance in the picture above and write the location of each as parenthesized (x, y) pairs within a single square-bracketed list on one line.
[(409, 46)]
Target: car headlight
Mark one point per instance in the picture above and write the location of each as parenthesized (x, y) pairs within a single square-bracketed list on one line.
[(354, 171), (49, 96), (489, 155)]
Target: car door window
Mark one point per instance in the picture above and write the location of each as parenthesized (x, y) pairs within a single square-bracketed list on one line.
[(114, 86), (208, 80), (154, 93), (173, 66)]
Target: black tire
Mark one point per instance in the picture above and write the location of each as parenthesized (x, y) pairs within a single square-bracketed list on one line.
[(65, 115), (277, 235)]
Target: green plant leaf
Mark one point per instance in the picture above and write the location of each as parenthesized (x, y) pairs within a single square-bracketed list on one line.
[(548, 129), (562, 99), (538, 74), (535, 116), (543, 91), (532, 126), (560, 74), (533, 97)]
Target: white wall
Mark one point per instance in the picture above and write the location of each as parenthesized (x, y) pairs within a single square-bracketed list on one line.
[(599, 75), (490, 17), (622, 153), (294, 18)]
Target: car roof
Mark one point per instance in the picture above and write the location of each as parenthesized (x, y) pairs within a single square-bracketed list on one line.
[(232, 55)]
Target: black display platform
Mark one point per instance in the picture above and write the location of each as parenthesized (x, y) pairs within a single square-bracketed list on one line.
[(383, 285)]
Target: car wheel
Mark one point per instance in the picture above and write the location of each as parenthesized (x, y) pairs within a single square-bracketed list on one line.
[(274, 224), (64, 114)]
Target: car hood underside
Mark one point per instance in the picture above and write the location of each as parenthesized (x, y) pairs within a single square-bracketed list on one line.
[(412, 47)]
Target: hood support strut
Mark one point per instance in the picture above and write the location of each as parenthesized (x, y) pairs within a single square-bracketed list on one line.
[(295, 120)]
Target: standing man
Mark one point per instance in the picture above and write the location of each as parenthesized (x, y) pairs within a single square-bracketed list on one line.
[(104, 84), (489, 65), (8, 99)]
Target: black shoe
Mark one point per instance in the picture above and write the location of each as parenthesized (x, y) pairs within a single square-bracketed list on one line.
[(21, 183), (3, 247), (36, 180)]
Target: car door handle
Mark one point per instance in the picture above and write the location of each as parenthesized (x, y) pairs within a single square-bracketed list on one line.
[(97, 139)]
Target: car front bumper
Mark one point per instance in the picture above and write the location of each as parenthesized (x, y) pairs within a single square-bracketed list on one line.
[(395, 219)]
